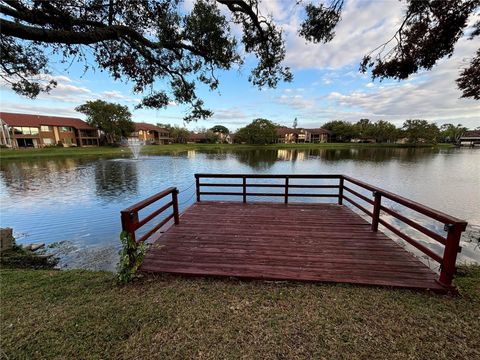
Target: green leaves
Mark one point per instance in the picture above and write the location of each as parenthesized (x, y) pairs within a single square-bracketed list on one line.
[(259, 131), (131, 257), (320, 22), (418, 131), (113, 119)]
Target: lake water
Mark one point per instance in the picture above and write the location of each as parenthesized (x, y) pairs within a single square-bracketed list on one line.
[(77, 201)]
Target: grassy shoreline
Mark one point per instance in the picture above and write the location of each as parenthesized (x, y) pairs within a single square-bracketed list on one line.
[(176, 148), (83, 314)]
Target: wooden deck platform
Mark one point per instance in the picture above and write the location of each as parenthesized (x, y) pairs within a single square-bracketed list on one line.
[(274, 241)]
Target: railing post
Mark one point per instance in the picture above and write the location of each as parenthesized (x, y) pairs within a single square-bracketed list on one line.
[(340, 191), (376, 210), (176, 216), (129, 219), (286, 190), (448, 267), (197, 183), (244, 189)]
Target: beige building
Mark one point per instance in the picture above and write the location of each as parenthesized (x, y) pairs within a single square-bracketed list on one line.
[(292, 136), (151, 134)]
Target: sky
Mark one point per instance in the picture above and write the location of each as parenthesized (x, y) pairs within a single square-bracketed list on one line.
[(327, 84)]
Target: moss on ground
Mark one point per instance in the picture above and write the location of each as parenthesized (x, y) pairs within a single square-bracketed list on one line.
[(81, 314), (18, 257)]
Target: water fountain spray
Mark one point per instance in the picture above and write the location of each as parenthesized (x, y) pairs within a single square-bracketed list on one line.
[(135, 146)]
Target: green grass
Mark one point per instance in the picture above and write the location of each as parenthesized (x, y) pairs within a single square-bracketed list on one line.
[(175, 148), (79, 314)]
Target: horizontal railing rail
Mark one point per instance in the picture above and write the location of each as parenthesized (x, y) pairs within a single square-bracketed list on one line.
[(286, 186), (131, 222), (453, 226)]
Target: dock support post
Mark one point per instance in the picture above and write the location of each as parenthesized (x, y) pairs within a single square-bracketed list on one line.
[(376, 210), (448, 267), (197, 183), (176, 216), (286, 190), (340, 191), (244, 189), (128, 221)]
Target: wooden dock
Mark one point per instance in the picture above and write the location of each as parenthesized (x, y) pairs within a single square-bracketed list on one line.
[(324, 242)]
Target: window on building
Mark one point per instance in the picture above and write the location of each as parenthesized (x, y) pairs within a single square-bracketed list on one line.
[(48, 141), (25, 130), (45, 128), (65, 129)]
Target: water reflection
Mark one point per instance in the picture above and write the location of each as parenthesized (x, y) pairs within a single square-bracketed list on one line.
[(358, 154), (257, 159), (114, 178), (40, 175), (264, 159)]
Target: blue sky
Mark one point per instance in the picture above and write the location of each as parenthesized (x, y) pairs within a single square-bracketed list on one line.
[(326, 85)]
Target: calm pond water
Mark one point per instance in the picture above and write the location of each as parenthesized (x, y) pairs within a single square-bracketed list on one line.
[(75, 203)]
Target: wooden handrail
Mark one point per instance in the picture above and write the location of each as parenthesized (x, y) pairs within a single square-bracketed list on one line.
[(129, 216), (452, 225), (286, 194), (271, 176), (144, 203), (425, 210)]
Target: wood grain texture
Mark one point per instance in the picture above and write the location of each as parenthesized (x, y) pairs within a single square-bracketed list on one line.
[(276, 241)]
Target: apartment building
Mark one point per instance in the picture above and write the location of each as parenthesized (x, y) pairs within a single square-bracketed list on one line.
[(35, 131), (290, 136), (151, 134)]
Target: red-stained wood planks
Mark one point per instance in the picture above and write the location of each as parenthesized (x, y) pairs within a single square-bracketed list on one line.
[(275, 241)]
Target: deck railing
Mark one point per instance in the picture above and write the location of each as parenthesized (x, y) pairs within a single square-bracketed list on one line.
[(286, 186), (131, 223), (453, 226)]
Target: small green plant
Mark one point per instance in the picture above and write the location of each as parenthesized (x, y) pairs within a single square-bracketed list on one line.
[(131, 257)]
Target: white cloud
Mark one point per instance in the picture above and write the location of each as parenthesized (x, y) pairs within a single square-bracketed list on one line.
[(430, 95), (362, 28), (116, 95), (295, 101), (67, 92), (228, 114)]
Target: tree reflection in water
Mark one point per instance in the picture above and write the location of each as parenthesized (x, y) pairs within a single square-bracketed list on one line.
[(116, 178)]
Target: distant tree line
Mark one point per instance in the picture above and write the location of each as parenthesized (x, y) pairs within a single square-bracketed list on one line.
[(181, 135), (263, 131), (412, 131), (115, 122)]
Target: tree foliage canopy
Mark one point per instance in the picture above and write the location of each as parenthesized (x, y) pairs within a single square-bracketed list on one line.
[(420, 131), (259, 131), (143, 41), (452, 133), (342, 130), (113, 119), (220, 129)]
